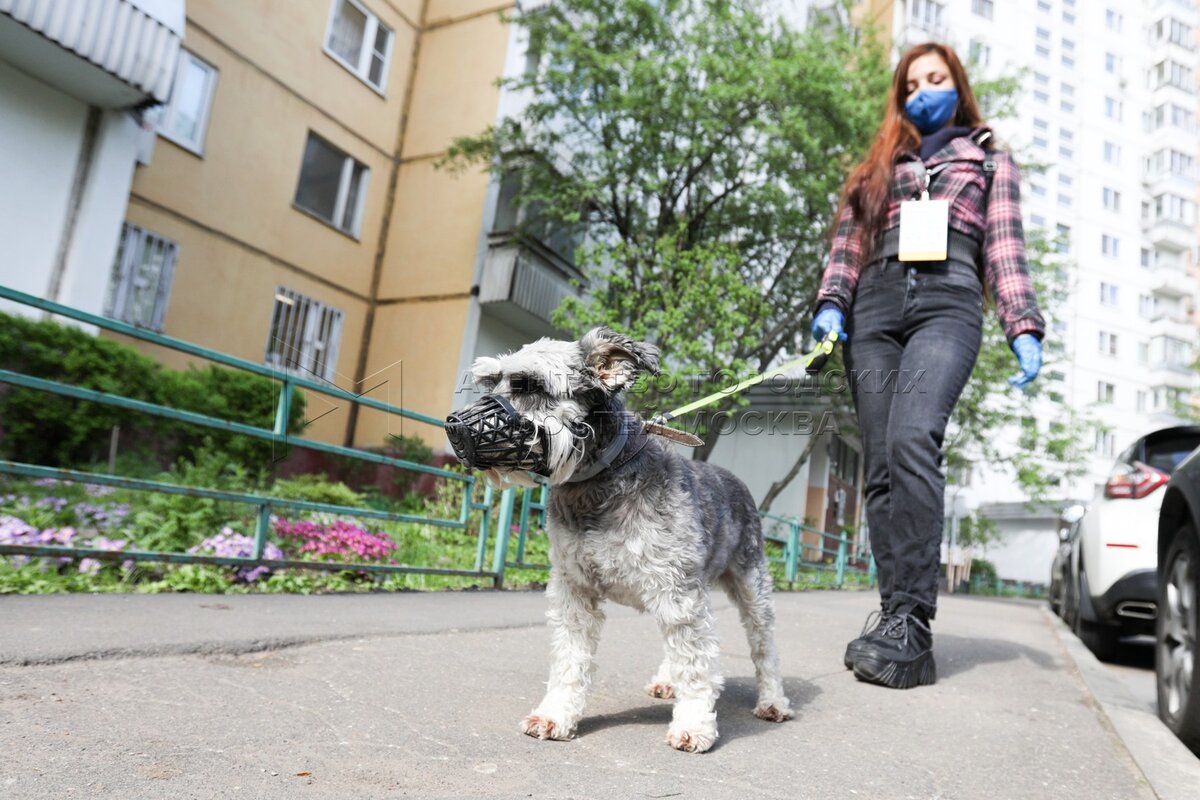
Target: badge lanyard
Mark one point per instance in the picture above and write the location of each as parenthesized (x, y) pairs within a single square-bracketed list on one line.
[(925, 224)]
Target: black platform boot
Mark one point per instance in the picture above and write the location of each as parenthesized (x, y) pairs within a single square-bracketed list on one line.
[(899, 654)]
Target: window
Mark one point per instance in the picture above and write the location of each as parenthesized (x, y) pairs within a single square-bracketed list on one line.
[(927, 14), (1112, 199), (304, 335), (1040, 79), (1037, 189), (1169, 29), (360, 41), (184, 119), (1042, 50), (1112, 20), (1111, 63), (1171, 73), (1108, 343), (983, 8), (1112, 153), (1112, 108), (980, 53), (1067, 90), (1065, 180), (1146, 305), (1108, 294), (332, 185), (1147, 255), (1108, 245), (1067, 106), (1174, 208), (1105, 443), (1063, 244), (1068, 61), (1141, 400), (1043, 34), (1040, 141), (1143, 352), (141, 278), (1068, 45), (1044, 5), (1066, 152), (1068, 18), (1037, 221), (1105, 392), (1041, 124), (1064, 199), (1066, 135)]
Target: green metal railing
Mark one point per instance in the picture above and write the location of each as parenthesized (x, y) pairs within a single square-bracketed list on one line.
[(279, 436), (827, 561), (830, 557)]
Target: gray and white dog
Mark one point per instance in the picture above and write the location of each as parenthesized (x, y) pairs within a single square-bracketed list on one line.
[(637, 524)]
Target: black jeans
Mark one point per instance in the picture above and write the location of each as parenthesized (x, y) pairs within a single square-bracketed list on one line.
[(913, 334)]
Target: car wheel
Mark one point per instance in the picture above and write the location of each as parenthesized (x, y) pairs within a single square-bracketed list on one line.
[(1175, 639), (1103, 640), (1055, 596)]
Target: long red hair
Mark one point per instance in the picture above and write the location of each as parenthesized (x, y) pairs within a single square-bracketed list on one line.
[(867, 188)]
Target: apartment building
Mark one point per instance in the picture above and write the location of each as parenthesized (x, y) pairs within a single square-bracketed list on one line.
[(1106, 130)]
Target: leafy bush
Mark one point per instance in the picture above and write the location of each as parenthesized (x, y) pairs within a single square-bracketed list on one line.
[(44, 428), (316, 489)]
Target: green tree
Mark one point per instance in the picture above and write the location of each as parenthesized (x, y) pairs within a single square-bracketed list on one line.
[(701, 145)]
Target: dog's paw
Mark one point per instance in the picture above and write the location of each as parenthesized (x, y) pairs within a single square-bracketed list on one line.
[(663, 691), (543, 727), (691, 741), (774, 711)]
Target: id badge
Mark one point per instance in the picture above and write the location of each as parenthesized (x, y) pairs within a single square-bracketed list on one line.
[(924, 229)]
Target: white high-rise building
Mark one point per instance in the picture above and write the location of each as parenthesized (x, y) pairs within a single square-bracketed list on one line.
[(1105, 126)]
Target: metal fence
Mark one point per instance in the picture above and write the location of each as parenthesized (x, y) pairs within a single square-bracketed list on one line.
[(824, 562)]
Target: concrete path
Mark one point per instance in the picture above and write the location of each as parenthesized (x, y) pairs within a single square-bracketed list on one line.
[(419, 695)]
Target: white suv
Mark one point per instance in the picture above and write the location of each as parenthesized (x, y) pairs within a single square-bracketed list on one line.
[(1111, 585)]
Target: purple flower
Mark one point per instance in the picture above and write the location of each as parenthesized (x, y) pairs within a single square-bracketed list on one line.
[(228, 544), (339, 539)]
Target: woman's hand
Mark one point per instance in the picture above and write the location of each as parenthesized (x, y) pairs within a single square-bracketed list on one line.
[(1028, 349), (831, 319)]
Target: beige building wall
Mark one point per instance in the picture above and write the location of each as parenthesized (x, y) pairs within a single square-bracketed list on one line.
[(403, 284), (429, 261)]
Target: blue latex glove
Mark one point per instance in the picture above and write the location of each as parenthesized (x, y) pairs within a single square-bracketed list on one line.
[(1028, 349), (831, 319)]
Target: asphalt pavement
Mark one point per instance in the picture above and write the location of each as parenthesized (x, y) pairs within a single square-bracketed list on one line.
[(419, 695)]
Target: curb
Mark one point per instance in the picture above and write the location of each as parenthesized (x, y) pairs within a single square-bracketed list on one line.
[(1170, 769)]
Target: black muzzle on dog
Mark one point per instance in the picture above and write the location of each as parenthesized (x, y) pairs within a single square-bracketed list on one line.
[(490, 433)]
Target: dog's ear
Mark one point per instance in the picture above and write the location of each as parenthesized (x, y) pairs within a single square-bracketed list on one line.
[(486, 372), (616, 360)]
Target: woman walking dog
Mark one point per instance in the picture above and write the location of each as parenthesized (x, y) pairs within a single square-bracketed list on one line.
[(930, 201)]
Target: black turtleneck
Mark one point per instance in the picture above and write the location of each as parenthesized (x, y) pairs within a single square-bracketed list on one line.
[(935, 141)]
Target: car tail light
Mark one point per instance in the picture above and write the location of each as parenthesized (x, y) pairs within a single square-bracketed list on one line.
[(1134, 480)]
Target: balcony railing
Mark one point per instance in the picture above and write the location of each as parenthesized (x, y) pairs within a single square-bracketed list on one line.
[(524, 282), (1172, 236)]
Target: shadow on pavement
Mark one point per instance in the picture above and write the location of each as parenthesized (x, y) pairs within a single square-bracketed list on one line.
[(958, 654), (735, 710)]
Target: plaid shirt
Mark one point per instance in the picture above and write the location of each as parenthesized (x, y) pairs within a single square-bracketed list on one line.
[(961, 182)]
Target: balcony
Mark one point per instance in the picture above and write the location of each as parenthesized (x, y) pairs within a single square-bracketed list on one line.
[(1166, 181), (523, 283), (1173, 283), (1175, 237), (108, 53), (1176, 325), (1173, 375)]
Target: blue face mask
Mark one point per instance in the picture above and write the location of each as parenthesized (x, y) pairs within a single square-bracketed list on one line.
[(930, 109)]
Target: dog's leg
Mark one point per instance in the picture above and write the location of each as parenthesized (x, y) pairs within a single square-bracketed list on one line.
[(575, 619), (751, 593), (692, 651), (660, 685)]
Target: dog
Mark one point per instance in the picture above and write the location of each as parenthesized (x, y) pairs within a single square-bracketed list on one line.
[(628, 520)]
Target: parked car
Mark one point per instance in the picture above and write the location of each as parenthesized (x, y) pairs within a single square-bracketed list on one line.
[(1111, 588), (1068, 522), (1177, 664)]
